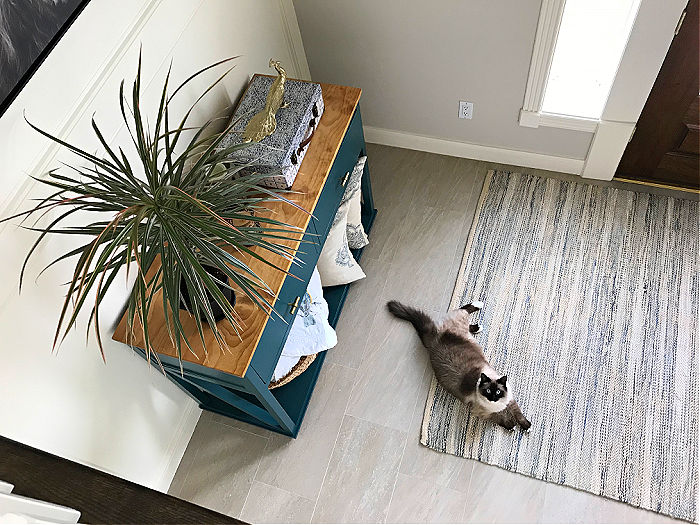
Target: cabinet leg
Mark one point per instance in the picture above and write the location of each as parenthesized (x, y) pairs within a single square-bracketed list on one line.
[(263, 394)]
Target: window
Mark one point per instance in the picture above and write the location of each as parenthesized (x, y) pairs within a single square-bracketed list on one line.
[(578, 48)]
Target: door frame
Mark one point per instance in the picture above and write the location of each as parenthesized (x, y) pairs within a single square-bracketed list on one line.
[(649, 41)]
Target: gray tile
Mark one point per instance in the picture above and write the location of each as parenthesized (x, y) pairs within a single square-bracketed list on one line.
[(447, 181), (430, 238), (437, 468), (186, 462), (298, 465), (266, 504), (499, 496), (420, 501), (361, 474), (246, 427), (359, 313), (394, 173), (220, 472), (461, 241), (385, 390), (394, 182)]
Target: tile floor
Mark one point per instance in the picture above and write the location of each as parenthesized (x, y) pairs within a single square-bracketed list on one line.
[(357, 457)]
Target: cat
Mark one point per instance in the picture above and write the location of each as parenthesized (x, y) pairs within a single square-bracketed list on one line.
[(460, 365)]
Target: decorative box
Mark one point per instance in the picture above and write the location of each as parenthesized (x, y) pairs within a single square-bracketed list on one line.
[(281, 153)]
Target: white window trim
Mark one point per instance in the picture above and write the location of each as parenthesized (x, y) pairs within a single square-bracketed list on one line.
[(531, 115)]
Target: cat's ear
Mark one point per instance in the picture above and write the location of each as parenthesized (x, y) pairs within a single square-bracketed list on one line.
[(485, 379), (502, 380)]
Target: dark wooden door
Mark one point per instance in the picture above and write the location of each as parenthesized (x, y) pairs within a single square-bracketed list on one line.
[(665, 146)]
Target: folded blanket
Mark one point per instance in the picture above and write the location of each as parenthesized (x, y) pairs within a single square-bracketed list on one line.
[(310, 332)]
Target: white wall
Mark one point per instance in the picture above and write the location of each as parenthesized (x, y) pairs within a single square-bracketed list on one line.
[(415, 60), (119, 416)]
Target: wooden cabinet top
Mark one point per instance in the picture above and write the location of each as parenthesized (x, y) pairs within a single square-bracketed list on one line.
[(340, 103)]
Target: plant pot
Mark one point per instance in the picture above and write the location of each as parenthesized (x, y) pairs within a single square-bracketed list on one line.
[(218, 312)]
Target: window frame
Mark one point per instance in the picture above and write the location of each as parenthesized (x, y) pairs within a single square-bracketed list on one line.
[(531, 114)]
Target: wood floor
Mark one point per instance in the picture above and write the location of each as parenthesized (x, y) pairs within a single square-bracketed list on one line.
[(357, 457)]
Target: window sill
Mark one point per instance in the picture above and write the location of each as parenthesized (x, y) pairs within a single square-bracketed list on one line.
[(535, 119)]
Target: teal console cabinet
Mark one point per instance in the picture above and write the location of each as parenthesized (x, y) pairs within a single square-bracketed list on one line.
[(234, 382)]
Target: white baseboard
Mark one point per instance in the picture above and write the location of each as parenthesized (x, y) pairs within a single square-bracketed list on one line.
[(181, 436), (454, 148)]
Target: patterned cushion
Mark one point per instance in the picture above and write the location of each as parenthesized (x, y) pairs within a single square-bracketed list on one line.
[(336, 264), (357, 238)]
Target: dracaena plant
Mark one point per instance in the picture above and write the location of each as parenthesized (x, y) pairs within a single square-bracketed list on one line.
[(169, 200)]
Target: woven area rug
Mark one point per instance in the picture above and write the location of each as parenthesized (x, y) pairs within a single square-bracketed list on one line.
[(591, 308)]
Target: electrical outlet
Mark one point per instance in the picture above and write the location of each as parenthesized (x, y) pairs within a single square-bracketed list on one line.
[(466, 109)]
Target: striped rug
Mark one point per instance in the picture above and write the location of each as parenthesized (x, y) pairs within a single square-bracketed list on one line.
[(591, 308)]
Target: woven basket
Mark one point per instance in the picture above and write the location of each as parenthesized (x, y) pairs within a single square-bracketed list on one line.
[(297, 370)]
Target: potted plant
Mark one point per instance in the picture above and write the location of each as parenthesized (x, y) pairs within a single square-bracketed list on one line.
[(171, 201)]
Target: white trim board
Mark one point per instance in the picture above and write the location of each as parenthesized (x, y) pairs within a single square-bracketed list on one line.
[(294, 41), (551, 12), (467, 150), (534, 119)]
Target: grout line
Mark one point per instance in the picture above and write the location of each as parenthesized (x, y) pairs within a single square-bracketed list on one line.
[(330, 458), (272, 487), (230, 425), (328, 465), (253, 480), (472, 462), (405, 443)]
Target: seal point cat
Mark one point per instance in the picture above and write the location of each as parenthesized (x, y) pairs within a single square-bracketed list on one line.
[(460, 365)]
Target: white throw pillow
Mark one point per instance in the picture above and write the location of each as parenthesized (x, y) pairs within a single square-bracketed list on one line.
[(357, 238), (336, 264)]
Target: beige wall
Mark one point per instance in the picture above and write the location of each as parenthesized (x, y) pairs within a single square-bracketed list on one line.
[(415, 60), (119, 416)]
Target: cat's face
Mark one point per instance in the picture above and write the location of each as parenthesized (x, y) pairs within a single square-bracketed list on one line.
[(493, 390)]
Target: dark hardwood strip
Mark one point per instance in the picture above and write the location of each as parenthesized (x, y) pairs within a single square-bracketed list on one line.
[(100, 497)]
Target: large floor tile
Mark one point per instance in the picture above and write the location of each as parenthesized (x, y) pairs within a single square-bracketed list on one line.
[(394, 183), (470, 207), (419, 501), (299, 465), (221, 470), (361, 474), (499, 496), (241, 425), (458, 179), (266, 504), (423, 463), (359, 313), (385, 390), (419, 269)]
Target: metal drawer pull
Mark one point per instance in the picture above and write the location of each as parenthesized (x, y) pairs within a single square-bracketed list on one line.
[(345, 178), (295, 305)]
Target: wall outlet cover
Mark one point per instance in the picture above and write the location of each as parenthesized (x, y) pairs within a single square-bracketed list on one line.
[(466, 109)]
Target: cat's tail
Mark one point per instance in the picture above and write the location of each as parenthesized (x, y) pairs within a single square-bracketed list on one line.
[(423, 324)]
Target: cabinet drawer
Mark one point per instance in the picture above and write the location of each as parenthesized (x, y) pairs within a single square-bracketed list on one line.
[(333, 190), (277, 328)]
